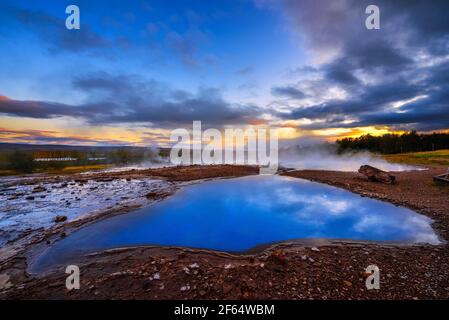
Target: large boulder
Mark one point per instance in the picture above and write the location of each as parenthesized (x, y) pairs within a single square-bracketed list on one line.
[(375, 174)]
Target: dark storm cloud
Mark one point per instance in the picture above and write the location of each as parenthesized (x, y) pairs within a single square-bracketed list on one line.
[(35, 109), (330, 23), (405, 59), (132, 99), (51, 29), (288, 92), (429, 113), (340, 74), (374, 98), (49, 137)]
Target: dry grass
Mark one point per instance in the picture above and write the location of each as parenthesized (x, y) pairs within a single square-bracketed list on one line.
[(7, 173), (78, 169), (439, 157)]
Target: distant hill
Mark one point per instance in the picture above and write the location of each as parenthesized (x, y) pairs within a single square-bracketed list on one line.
[(52, 147)]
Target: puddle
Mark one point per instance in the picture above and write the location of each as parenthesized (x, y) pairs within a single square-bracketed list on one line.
[(238, 214)]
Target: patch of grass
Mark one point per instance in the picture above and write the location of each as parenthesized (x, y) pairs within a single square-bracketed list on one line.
[(78, 169), (8, 172), (439, 157)]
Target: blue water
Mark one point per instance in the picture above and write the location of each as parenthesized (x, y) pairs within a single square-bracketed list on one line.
[(239, 214)]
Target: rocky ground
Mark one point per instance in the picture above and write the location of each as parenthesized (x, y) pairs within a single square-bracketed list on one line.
[(316, 269)]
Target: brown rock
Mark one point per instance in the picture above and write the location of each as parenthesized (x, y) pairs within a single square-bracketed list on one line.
[(347, 283), (227, 288), (39, 189), (278, 257), (60, 218), (375, 174), (152, 195)]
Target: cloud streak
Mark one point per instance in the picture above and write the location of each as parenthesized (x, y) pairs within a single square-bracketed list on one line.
[(51, 30), (133, 99), (374, 70)]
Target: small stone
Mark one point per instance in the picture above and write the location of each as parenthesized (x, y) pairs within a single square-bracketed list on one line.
[(60, 218), (156, 276), (227, 288), (39, 189), (4, 281), (315, 249), (152, 195), (347, 283), (185, 288), (278, 257)]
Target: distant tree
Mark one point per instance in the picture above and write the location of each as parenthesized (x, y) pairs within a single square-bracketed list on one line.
[(395, 143), (21, 161)]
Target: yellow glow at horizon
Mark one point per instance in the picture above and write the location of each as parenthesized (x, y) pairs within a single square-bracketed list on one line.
[(141, 136), (64, 128), (353, 132)]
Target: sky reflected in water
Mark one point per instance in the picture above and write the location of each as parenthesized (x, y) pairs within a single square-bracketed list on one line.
[(238, 214)]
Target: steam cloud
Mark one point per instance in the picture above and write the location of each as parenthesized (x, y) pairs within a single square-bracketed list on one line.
[(325, 157)]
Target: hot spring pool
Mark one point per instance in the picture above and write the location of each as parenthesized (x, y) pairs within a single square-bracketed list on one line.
[(238, 214)]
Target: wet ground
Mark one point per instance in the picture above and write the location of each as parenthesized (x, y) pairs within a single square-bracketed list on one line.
[(24, 208)]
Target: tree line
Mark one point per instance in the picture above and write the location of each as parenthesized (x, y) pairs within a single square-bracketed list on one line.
[(396, 143), (25, 161)]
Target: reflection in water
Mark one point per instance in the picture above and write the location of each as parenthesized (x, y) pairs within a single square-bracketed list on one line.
[(238, 214)]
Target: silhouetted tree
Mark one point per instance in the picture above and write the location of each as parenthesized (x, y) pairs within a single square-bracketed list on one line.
[(21, 161), (395, 143)]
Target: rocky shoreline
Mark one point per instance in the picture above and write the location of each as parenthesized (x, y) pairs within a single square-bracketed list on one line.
[(315, 269)]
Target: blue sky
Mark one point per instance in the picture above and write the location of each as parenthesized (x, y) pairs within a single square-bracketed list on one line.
[(188, 44), (137, 69)]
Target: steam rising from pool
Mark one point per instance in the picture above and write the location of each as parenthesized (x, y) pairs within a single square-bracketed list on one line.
[(325, 157), (319, 156)]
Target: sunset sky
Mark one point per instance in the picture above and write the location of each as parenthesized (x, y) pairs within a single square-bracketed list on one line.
[(137, 69)]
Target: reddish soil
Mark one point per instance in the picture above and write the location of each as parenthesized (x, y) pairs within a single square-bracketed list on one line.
[(180, 173), (309, 270)]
